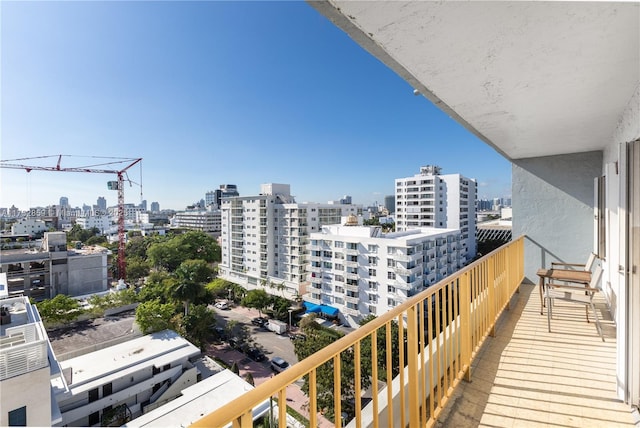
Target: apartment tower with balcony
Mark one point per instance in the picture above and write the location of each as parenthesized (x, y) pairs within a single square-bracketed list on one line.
[(264, 238), (432, 199), (361, 271)]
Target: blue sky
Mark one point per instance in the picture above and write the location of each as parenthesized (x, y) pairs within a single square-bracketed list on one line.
[(210, 93)]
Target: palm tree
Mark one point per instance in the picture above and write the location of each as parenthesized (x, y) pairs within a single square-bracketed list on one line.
[(191, 276)]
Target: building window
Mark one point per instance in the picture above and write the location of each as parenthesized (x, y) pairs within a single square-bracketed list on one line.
[(373, 248), (94, 418), (391, 275), (339, 244), (373, 261), (372, 272), (93, 394), (390, 263), (18, 417), (107, 389)]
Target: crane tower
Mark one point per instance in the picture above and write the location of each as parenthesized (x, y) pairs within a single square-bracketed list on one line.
[(100, 168)]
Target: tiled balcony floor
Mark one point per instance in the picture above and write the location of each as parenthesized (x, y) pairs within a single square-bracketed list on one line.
[(528, 377)]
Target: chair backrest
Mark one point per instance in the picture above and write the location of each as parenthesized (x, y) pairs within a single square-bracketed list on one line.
[(589, 265), (595, 277)]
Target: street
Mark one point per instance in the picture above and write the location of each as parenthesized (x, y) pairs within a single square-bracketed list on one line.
[(272, 345)]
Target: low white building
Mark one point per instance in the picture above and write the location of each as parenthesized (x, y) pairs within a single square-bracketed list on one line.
[(356, 271), (28, 226), (123, 381), (207, 221), (100, 222)]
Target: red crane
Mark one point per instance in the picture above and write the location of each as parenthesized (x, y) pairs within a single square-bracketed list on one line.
[(100, 168)]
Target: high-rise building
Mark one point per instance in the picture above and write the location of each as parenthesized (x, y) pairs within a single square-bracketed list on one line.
[(101, 203), (390, 203), (210, 198), (431, 199), (356, 271), (264, 238), (155, 207), (64, 202)]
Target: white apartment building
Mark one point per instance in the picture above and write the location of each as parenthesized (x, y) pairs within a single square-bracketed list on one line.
[(432, 199), (101, 222), (28, 226), (207, 221), (264, 238), (361, 271)]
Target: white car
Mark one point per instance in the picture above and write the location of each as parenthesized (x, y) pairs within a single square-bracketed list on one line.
[(221, 305), (279, 365)]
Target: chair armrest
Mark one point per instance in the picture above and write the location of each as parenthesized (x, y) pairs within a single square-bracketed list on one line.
[(582, 265), (573, 286)]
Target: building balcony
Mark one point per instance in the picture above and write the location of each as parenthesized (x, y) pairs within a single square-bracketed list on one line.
[(352, 299), (309, 297), (521, 372), (407, 257), (401, 270), (353, 288)]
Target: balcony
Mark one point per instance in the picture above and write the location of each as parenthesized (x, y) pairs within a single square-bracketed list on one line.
[(521, 373)]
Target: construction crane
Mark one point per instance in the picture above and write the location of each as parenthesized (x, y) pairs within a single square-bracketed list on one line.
[(100, 168)]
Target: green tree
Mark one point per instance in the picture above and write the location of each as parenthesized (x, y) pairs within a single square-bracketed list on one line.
[(190, 278), (192, 245), (156, 286), (152, 316), (381, 340), (257, 299), (219, 288), (197, 325), (137, 269), (165, 255), (60, 309), (248, 377), (96, 240), (319, 338)]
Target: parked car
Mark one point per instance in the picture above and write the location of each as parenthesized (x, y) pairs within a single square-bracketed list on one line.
[(297, 336), (279, 365), (259, 321), (235, 343), (220, 332), (222, 305), (256, 355)]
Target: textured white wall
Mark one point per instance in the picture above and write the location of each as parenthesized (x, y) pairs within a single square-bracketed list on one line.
[(553, 206)]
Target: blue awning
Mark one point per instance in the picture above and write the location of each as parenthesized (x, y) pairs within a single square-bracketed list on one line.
[(329, 310), (311, 307)]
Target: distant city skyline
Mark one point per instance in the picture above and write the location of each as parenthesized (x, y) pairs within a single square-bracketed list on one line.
[(215, 92)]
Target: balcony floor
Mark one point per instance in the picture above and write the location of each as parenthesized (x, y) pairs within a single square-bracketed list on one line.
[(526, 376)]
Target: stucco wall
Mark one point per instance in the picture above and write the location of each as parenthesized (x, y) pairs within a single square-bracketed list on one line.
[(553, 207), (37, 397), (87, 274)]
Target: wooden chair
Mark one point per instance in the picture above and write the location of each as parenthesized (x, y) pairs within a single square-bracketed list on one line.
[(578, 266), (574, 293)]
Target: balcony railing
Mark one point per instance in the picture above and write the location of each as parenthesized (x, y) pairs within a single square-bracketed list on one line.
[(442, 329)]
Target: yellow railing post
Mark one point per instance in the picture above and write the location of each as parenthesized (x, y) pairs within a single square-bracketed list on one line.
[(465, 327), (491, 289), (412, 362)]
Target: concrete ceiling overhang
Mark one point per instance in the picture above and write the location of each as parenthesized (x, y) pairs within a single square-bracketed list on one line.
[(529, 78)]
